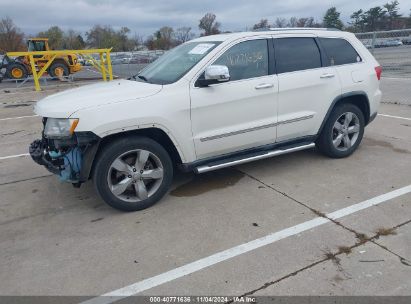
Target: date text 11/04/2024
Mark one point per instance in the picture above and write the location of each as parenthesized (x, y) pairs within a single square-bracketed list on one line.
[(201, 299)]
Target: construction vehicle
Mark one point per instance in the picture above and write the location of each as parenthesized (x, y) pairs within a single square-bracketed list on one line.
[(20, 67)]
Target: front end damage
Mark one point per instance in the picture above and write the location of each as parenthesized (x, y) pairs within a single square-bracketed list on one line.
[(70, 158)]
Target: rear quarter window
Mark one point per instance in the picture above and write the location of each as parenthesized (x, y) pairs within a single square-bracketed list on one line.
[(339, 51)]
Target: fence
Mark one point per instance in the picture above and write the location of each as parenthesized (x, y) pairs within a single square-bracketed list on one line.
[(123, 65), (392, 49), (127, 64)]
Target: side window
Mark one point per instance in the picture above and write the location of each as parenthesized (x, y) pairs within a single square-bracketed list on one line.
[(246, 60), (295, 54), (339, 51)]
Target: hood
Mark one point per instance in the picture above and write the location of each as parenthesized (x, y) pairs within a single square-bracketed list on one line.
[(64, 104)]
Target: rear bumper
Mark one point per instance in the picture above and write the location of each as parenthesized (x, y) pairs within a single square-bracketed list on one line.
[(71, 159)]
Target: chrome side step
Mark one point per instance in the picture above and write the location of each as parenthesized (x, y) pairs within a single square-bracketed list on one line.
[(206, 168)]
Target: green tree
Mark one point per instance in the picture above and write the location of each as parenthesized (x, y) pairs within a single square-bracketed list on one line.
[(392, 12), (357, 20), (11, 38), (332, 19), (209, 24), (106, 37), (373, 18), (55, 36), (163, 38)]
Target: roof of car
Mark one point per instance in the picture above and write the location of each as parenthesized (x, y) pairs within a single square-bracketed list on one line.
[(273, 31)]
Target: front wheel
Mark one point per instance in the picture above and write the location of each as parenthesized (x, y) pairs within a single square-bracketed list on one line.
[(16, 71), (343, 131), (133, 173)]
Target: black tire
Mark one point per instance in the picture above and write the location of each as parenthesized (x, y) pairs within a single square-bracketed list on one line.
[(58, 65), (325, 143), (111, 152), (16, 66)]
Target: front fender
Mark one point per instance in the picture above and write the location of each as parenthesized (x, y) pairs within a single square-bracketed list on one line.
[(129, 128)]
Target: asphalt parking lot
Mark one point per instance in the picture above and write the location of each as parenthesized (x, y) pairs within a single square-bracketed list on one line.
[(395, 61), (298, 224)]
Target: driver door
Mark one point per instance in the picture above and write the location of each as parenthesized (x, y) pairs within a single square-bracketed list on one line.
[(241, 113)]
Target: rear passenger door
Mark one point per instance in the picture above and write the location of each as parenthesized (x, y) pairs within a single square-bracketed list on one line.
[(347, 62), (307, 86)]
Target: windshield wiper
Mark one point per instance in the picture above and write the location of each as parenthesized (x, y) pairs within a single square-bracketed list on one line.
[(142, 77)]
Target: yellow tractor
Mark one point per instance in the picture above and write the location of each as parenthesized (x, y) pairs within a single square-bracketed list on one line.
[(19, 67)]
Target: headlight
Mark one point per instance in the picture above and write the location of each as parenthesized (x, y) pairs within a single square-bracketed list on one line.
[(60, 127)]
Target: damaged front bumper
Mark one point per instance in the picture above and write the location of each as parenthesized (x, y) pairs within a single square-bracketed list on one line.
[(70, 158)]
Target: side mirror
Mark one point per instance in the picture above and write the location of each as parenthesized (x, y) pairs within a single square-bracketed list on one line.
[(214, 74), (217, 72)]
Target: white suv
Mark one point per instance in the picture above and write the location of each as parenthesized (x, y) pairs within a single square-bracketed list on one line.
[(211, 103)]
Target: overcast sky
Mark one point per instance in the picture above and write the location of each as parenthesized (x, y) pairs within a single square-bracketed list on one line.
[(144, 17)]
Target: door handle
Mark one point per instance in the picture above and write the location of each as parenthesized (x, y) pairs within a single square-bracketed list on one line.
[(264, 86), (328, 75)]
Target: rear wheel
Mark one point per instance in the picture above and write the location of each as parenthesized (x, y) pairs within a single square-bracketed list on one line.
[(16, 71), (342, 132), (58, 69), (133, 173)]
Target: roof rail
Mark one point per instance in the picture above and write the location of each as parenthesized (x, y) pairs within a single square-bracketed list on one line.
[(296, 29)]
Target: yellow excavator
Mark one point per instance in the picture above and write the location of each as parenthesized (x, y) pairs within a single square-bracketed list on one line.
[(19, 68)]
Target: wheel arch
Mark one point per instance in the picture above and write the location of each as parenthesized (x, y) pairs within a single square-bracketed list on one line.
[(358, 98), (60, 60), (154, 133)]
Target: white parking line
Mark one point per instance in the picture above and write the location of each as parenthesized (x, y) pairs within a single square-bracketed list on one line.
[(391, 116), (19, 117), (230, 253), (14, 156)]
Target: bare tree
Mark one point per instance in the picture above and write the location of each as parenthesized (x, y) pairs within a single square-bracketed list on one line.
[(73, 40), (137, 41), (11, 38), (292, 22), (280, 22), (305, 22), (165, 34), (263, 24), (183, 34), (209, 24)]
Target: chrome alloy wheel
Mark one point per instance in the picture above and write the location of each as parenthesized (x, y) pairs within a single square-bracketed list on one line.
[(345, 131), (135, 175)]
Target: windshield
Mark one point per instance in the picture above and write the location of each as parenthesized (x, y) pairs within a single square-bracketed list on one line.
[(176, 63), (35, 46)]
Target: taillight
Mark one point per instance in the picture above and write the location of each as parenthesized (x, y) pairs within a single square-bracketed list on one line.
[(378, 71)]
